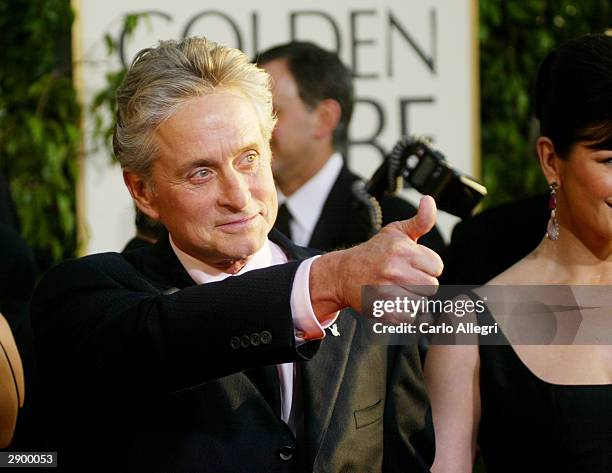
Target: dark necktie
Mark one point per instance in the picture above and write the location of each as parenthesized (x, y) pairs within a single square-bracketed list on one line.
[(282, 220)]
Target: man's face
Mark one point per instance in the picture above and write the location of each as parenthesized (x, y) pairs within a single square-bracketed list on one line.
[(295, 131), (212, 184)]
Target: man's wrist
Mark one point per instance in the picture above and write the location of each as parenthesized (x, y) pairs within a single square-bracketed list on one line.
[(325, 287)]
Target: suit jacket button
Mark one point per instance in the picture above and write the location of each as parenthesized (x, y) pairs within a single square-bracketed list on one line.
[(255, 339), (235, 343), (245, 341), (266, 337), (286, 452)]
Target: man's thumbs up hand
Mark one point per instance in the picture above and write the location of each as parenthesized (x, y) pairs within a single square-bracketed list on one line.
[(392, 257), (423, 221)]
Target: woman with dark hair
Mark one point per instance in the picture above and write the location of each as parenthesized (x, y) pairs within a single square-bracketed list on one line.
[(545, 407)]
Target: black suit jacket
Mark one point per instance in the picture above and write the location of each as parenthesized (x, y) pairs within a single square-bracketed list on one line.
[(344, 219), (488, 243), (144, 371)]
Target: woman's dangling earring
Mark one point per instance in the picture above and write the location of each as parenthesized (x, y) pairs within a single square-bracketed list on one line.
[(552, 230)]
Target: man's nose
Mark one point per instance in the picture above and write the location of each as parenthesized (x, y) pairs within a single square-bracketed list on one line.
[(235, 193)]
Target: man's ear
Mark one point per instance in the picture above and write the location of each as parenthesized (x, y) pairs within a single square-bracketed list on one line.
[(328, 116), (550, 162), (142, 194)]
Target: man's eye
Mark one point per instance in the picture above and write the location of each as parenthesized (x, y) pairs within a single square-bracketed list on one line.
[(200, 175), (250, 159)]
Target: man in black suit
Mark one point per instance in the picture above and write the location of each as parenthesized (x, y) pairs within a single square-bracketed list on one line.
[(221, 348), (321, 205)]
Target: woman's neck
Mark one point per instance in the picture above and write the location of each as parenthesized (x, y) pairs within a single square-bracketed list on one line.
[(573, 260)]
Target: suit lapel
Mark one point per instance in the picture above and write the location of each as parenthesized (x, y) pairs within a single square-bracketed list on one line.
[(161, 265), (323, 374), (330, 227), (345, 220), (321, 380)]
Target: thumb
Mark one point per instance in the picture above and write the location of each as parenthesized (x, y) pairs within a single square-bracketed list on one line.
[(423, 221)]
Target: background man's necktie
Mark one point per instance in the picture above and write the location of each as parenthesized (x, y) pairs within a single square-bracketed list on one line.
[(283, 219)]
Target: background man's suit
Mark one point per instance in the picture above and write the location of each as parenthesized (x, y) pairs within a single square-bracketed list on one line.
[(345, 222), (155, 378)]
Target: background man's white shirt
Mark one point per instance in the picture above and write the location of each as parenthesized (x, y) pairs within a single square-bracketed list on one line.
[(306, 204)]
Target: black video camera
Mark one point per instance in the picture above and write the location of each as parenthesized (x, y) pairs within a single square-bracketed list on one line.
[(419, 165)]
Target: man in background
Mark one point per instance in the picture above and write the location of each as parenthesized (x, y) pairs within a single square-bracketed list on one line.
[(321, 207), (148, 232)]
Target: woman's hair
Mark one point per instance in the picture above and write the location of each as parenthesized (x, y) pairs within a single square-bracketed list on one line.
[(161, 79), (573, 94)]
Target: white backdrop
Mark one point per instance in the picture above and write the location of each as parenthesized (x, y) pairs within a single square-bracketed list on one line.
[(414, 61)]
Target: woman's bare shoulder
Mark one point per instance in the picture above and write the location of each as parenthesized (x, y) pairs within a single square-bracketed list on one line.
[(527, 270)]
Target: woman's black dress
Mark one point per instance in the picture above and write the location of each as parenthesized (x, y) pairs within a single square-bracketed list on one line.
[(529, 425)]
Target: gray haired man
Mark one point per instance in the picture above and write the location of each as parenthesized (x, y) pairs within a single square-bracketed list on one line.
[(210, 351)]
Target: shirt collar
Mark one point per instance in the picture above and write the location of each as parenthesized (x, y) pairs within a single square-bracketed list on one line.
[(268, 255), (307, 202)]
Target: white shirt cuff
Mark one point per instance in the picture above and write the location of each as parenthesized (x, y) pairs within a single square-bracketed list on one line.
[(305, 323)]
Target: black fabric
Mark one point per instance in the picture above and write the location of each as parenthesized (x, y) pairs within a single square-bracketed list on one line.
[(136, 243), (345, 220), (8, 211), (141, 372), (268, 382), (487, 244), (283, 219), (529, 425)]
